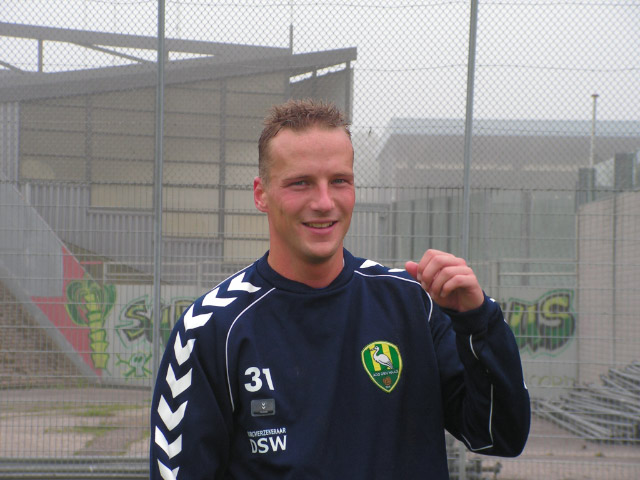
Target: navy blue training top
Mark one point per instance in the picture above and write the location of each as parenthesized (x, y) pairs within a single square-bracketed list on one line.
[(267, 378)]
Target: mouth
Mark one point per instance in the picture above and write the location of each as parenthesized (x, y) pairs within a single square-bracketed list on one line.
[(319, 224)]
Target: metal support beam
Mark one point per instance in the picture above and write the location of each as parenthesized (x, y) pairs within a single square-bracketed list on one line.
[(157, 195), (108, 51), (40, 55), (11, 67), (468, 127)]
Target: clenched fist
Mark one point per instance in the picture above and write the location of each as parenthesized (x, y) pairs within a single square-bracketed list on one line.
[(448, 279)]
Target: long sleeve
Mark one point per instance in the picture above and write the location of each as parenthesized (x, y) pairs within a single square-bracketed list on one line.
[(484, 395), (189, 429), (267, 378)]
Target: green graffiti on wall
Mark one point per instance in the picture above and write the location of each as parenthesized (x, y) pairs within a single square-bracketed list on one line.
[(136, 319), (88, 304), (135, 365), (545, 325), (135, 325)]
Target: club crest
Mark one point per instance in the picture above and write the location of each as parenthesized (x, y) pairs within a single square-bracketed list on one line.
[(383, 363)]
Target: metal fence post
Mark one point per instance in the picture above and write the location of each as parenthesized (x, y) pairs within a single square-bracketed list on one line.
[(468, 126), (468, 131), (157, 193)]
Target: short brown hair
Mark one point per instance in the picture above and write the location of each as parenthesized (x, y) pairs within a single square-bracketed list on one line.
[(297, 115)]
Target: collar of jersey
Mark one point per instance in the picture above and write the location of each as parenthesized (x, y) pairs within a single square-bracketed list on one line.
[(282, 283)]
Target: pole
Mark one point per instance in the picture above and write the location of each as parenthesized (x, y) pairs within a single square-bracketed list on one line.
[(157, 194), (468, 127), (468, 132), (592, 151)]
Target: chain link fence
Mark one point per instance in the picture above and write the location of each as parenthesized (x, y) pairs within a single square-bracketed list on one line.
[(551, 200)]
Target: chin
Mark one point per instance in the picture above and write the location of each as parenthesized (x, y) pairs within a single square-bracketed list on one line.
[(322, 256)]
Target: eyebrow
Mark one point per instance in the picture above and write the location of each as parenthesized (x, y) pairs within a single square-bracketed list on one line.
[(294, 178), (305, 176)]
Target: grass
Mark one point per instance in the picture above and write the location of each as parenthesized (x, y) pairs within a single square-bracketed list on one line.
[(86, 410), (93, 430), (109, 410)]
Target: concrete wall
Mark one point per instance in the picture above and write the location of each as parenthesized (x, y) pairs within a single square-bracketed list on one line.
[(608, 284)]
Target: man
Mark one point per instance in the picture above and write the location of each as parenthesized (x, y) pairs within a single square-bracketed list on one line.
[(314, 364)]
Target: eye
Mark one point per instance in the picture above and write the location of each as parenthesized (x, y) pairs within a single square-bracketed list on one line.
[(298, 183), (341, 181)]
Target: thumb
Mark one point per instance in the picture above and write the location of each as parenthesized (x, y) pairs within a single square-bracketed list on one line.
[(412, 269)]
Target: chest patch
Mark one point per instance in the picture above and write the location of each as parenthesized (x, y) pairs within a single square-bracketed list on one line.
[(262, 408), (383, 364)]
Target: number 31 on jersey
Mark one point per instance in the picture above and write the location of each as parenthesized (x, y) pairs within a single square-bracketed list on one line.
[(256, 379)]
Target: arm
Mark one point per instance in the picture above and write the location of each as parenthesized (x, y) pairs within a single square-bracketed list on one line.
[(189, 430), (486, 403), (485, 400)]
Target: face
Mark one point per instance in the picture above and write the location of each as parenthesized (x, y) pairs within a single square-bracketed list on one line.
[(309, 196)]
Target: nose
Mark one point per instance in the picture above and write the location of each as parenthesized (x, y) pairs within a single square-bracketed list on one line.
[(323, 200)]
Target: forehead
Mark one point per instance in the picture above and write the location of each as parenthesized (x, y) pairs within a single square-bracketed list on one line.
[(315, 141)]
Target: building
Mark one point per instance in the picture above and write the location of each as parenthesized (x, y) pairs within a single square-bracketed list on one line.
[(77, 174), (519, 170), (80, 143)]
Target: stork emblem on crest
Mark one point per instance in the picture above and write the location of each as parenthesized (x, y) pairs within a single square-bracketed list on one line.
[(383, 364)]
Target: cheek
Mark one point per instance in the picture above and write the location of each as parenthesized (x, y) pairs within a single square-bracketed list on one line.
[(348, 200), (290, 205)]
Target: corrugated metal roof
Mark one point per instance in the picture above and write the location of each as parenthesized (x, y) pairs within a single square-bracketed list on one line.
[(221, 60), (513, 127)]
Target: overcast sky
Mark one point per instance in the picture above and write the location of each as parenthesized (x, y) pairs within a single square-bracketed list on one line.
[(539, 59)]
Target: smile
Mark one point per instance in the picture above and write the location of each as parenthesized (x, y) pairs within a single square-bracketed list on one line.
[(319, 225)]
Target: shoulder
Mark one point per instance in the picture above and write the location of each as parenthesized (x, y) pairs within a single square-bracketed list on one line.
[(373, 273), (221, 305), (371, 269), (391, 284)]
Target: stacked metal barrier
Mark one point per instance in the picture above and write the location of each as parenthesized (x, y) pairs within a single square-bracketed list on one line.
[(609, 412)]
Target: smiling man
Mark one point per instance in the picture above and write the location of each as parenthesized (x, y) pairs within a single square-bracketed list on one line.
[(313, 363), (307, 191)]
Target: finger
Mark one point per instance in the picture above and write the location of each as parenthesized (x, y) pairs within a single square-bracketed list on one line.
[(452, 278), (412, 269), (432, 265), (422, 265)]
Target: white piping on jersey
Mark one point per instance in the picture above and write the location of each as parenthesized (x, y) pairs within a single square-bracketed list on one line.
[(386, 275), (491, 407), (226, 345), (490, 429), (471, 347), (404, 280)]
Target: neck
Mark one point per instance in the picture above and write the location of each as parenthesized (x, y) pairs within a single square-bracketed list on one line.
[(315, 275)]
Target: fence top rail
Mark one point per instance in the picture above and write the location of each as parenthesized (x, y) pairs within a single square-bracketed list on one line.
[(66, 35)]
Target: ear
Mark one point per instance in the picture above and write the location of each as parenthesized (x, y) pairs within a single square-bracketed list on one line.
[(259, 194)]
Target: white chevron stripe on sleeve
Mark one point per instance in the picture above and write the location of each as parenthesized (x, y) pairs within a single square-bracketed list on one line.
[(194, 322), (178, 385), (369, 263), (211, 299), (237, 283), (170, 449), (183, 352), (171, 419), (167, 474)]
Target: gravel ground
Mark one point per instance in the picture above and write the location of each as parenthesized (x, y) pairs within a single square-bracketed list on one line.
[(58, 423), (554, 454)]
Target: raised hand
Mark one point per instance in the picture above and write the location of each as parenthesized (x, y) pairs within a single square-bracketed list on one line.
[(448, 279)]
